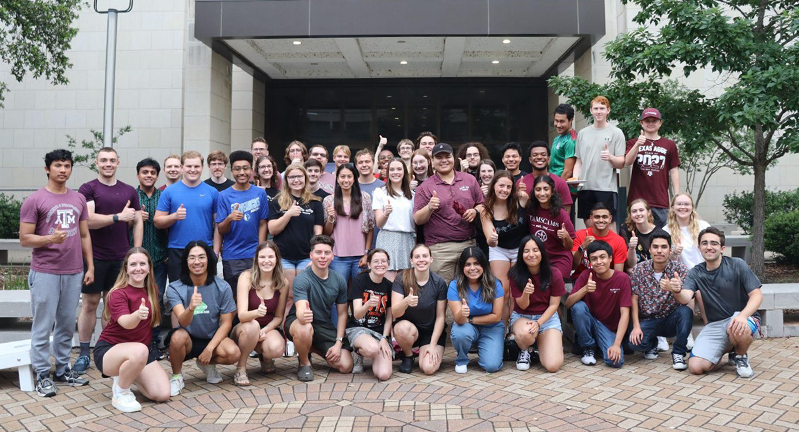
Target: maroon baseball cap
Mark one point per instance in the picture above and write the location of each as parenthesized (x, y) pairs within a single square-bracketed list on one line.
[(650, 112)]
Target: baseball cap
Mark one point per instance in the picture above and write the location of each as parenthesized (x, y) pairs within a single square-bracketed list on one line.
[(650, 112), (442, 148)]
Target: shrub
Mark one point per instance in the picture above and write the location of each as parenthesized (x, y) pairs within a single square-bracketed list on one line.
[(739, 206), (782, 235), (9, 216)]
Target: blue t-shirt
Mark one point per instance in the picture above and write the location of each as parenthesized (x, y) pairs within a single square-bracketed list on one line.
[(242, 239), (477, 306), (200, 204), (217, 300)]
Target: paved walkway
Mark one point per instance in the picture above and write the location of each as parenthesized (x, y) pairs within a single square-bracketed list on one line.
[(643, 395)]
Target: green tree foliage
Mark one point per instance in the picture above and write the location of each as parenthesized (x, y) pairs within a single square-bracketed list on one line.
[(754, 120), (89, 157), (34, 36)]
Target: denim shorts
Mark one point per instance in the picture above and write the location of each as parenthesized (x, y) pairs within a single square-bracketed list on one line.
[(496, 253), (552, 323), (298, 265)]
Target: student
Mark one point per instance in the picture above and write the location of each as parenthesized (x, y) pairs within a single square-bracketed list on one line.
[(173, 168), (486, 174), (550, 222), (368, 182), (470, 155), (217, 163), (539, 160), (600, 305), (204, 306), (350, 221), (405, 150), (637, 232), (241, 216), (327, 180), (315, 170), (418, 304), (261, 302), (341, 156), (475, 299), (600, 230), (504, 223), (561, 162), (732, 296), (295, 153), (114, 208), (122, 351), (536, 288), (512, 159), (369, 327), (422, 168), (393, 206), (259, 147), (655, 310), (266, 176), (309, 323), (426, 141), (54, 221)]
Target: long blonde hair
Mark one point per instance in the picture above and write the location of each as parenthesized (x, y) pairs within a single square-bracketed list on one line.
[(649, 217), (285, 199), (123, 280), (674, 226), (278, 280)]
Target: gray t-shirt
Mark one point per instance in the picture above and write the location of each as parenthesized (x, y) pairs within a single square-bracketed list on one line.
[(321, 294), (424, 314), (599, 174), (217, 300), (724, 290)]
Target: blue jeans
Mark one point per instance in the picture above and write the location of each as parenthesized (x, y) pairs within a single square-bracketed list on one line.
[(678, 323), (347, 267), (590, 332), (490, 341), (298, 265)]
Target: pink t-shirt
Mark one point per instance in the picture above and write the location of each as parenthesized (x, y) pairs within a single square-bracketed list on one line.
[(545, 227), (49, 211), (350, 234), (125, 301)]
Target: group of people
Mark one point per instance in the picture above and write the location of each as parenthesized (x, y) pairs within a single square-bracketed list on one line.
[(362, 260)]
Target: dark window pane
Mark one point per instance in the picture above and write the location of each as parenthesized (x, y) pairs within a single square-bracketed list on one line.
[(454, 115), (323, 126), (357, 125), (489, 115), (422, 111)]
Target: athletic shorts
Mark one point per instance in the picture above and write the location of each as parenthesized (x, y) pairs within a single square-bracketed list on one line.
[(197, 345), (324, 335), (102, 347), (496, 253), (713, 342), (105, 274), (426, 335), (587, 199)]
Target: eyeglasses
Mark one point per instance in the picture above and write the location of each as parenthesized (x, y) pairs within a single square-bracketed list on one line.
[(379, 261), (295, 178), (711, 243)]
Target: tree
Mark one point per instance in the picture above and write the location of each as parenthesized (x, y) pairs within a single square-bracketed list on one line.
[(90, 159), (34, 36), (753, 44)]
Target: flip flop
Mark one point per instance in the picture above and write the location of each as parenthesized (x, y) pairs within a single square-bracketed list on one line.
[(240, 378)]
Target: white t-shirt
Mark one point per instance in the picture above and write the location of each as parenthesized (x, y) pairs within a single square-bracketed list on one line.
[(691, 255), (401, 217)]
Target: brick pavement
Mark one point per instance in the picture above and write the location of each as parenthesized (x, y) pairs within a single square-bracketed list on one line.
[(643, 395)]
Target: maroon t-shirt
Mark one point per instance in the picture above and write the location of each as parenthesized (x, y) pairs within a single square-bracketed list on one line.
[(125, 301), (253, 301), (110, 242), (610, 295), (446, 224), (539, 300), (650, 175), (560, 187), (545, 227)]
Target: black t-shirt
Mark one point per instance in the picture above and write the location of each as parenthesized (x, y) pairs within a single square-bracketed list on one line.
[(294, 240), (644, 241), (320, 193), (271, 193), (519, 176), (724, 290), (424, 314), (511, 234), (220, 186), (363, 288)]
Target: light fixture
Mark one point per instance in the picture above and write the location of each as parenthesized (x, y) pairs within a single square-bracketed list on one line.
[(297, 42), (424, 96), (495, 62), (393, 108), (396, 118), (506, 41), (388, 96), (403, 62)]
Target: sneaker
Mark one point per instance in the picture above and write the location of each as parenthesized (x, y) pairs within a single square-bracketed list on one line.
[(742, 366), (156, 353), (678, 362), (211, 374), (406, 364), (523, 361), (731, 358), (588, 357), (289, 349), (651, 354), (461, 369), (663, 344), (71, 378), (176, 384), (689, 344), (81, 365), (45, 386), (357, 363), (126, 402), (253, 354)]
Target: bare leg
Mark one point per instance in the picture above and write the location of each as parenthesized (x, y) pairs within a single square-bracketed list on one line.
[(226, 353), (153, 382), (406, 334), (246, 336), (88, 316), (524, 339), (427, 363), (302, 335), (550, 349), (179, 347), (500, 270), (273, 346), (368, 347), (125, 360)]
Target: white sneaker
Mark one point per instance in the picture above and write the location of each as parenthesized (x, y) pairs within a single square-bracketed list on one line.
[(523, 361), (211, 374), (588, 357), (742, 366), (254, 354), (289, 349), (176, 385), (651, 354), (663, 344), (689, 344), (461, 369), (126, 402), (357, 363)]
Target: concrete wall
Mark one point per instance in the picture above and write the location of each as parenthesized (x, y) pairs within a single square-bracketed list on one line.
[(249, 111)]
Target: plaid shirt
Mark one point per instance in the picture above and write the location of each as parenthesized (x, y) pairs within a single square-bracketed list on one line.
[(653, 302), (154, 239)]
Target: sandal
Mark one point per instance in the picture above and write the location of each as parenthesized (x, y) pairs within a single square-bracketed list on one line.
[(305, 373), (267, 367), (240, 378)]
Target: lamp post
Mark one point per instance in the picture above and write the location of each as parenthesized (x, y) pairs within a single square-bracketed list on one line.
[(110, 71)]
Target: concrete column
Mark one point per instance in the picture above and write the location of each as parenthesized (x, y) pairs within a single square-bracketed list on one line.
[(248, 112)]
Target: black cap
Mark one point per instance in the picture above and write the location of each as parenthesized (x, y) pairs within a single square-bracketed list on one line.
[(442, 148)]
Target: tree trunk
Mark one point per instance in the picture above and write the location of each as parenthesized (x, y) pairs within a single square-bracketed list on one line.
[(758, 247)]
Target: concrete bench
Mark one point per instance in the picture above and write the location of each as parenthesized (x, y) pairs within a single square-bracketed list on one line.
[(17, 304), (8, 245), (776, 299), (18, 355), (740, 246)]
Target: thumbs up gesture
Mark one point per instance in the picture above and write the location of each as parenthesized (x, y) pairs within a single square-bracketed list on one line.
[(383, 141), (294, 210), (590, 286), (633, 239), (373, 301), (181, 213), (127, 214), (465, 311), (58, 236), (261, 311), (521, 191), (236, 215), (464, 164), (563, 232), (196, 300), (434, 202), (676, 283), (413, 300), (143, 311), (493, 238), (641, 139), (331, 213), (484, 189), (388, 208), (529, 288), (605, 154)]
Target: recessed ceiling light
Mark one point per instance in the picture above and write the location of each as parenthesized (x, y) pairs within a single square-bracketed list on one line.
[(297, 42), (403, 62), (506, 41), (424, 96), (396, 118), (495, 62), (388, 96), (393, 108)]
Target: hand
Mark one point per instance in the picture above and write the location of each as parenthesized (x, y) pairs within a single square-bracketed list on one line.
[(665, 284), (588, 240), (633, 239), (590, 286), (385, 348), (484, 188), (196, 300), (331, 214), (236, 215), (412, 300), (294, 210), (676, 283), (521, 191), (493, 238), (434, 202), (614, 354), (181, 213), (605, 154), (127, 214), (529, 288), (469, 215), (636, 336), (261, 311), (388, 208), (563, 233), (464, 165), (262, 335), (143, 311), (739, 325), (383, 141), (465, 311), (432, 356), (363, 263), (306, 317), (145, 215), (58, 236), (678, 250), (205, 357), (641, 139), (88, 277), (373, 301), (533, 327), (414, 184), (334, 353)]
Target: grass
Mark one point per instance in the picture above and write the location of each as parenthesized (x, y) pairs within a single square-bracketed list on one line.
[(14, 277)]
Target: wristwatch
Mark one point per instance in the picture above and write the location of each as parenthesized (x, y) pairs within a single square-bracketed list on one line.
[(580, 249), (339, 339), (116, 217), (470, 319)]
